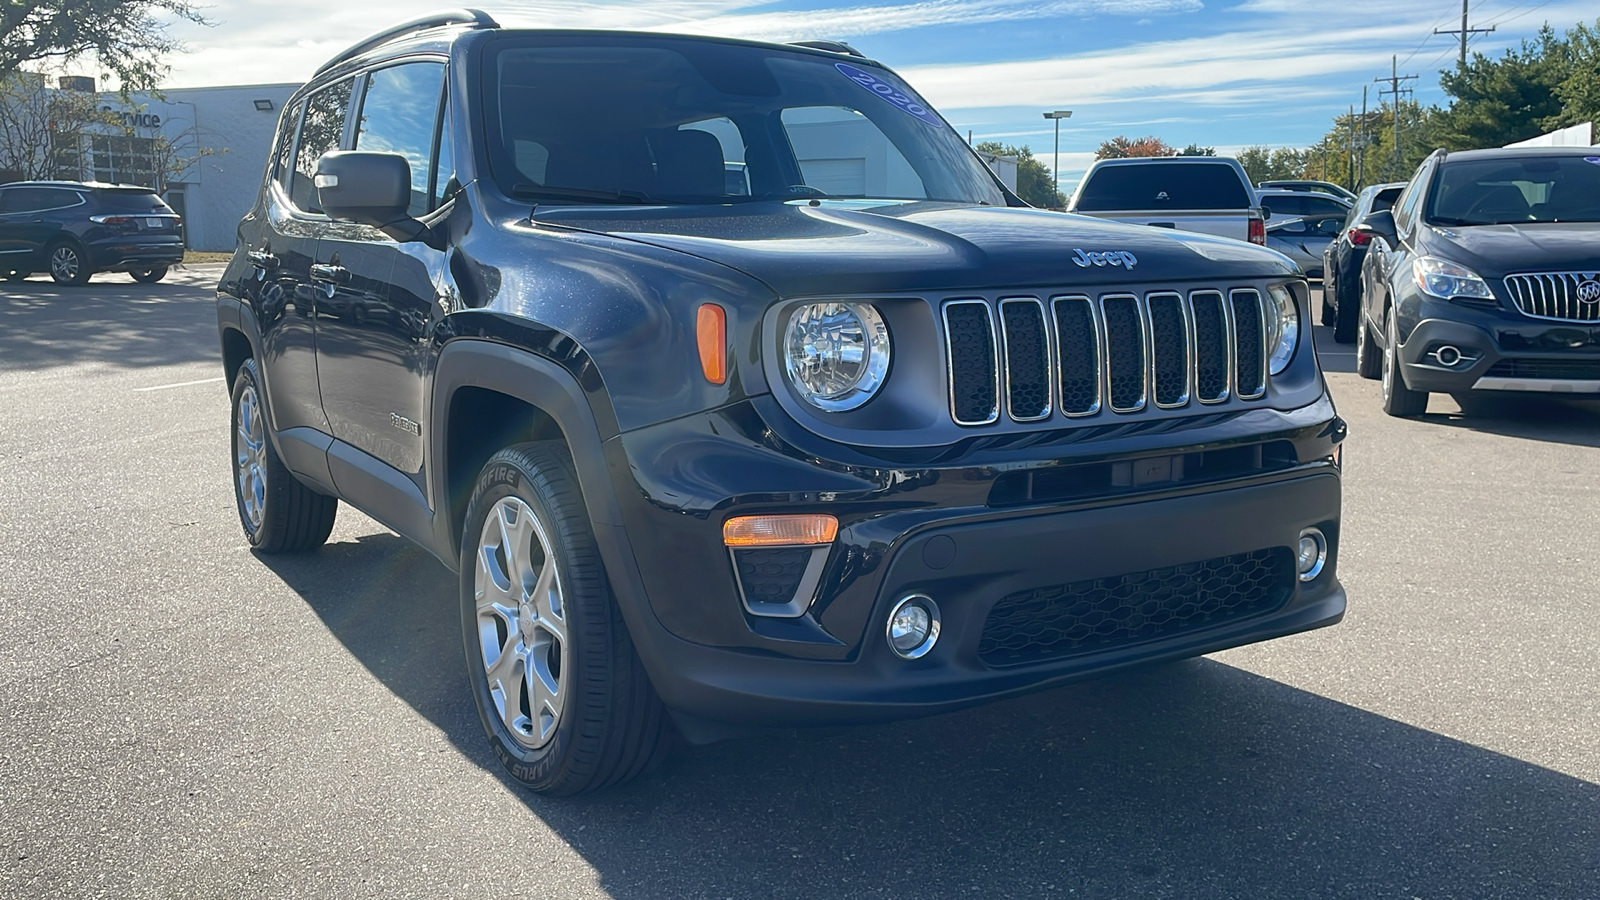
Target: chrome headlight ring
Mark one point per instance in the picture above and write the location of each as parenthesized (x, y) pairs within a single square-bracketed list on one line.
[(836, 353)]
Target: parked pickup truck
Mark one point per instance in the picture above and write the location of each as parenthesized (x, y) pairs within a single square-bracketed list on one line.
[(1208, 194)]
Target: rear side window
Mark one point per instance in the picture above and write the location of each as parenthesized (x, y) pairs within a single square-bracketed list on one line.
[(38, 199), (1164, 185), (399, 114), (132, 201), (283, 154), (320, 131)]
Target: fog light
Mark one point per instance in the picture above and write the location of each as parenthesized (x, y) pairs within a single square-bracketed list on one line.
[(913, 626), (1448, 355), (1312, 555)]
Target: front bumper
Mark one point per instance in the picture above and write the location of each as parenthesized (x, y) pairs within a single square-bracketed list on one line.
[(1499, 351), (954, 533)]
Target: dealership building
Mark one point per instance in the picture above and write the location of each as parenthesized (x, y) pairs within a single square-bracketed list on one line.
[(221, 137)]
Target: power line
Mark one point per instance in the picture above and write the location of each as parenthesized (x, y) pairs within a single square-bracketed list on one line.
[(1464, 31)]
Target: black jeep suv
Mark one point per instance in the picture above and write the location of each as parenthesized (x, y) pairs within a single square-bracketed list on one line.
[(1485, 276), (73, 230), (738, 390)]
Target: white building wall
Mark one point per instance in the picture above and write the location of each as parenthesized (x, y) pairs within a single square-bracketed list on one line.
[(219, 189), (1581, 135)]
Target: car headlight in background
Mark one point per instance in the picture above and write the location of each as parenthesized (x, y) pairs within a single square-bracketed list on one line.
[(1283, 327), (1444, 279), (836, 354)]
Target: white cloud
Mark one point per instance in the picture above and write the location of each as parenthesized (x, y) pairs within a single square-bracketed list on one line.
[(859, 21)]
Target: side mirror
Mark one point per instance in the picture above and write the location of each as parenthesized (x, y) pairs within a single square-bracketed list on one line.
[(1379, 224), (369, 188)]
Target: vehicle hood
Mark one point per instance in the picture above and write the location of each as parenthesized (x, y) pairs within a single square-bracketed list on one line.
[(864, 246), (1497, 250)]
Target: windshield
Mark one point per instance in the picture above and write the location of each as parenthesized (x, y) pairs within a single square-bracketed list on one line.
[(1514, 190), (640, 119)]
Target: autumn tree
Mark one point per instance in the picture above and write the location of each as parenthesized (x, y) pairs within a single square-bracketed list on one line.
[(1121, 147), (42, 128)]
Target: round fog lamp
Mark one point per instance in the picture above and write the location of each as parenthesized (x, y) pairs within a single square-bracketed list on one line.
[(913, 627), (1312, 554)]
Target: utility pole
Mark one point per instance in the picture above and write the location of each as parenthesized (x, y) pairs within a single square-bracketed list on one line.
[(1395, 80), (1350, 149), (1461, 65), (1366, 138)]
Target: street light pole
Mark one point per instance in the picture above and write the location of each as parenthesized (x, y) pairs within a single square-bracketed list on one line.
[(1055, 169)]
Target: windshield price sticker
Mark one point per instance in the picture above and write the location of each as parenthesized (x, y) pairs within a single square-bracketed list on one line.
[(889, 92)]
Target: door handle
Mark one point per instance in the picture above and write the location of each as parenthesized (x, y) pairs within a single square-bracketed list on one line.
[(332, 274), (263, 259)]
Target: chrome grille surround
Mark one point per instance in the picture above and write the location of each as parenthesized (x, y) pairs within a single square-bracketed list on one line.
[(1014, 347), (1109, 351), (1553, 296), (954, 361)]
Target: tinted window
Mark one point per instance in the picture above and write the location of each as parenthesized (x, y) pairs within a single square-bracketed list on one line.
[(581, 116), (40, 199), (11, 201), (1164, 185), (1406, 206), (1385, 199), (283, 154), (1515, 190), (320, 131), (399, 113), (131, 201)]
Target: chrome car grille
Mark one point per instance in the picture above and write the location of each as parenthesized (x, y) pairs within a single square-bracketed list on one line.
[(1558, 296), (1031, 358)]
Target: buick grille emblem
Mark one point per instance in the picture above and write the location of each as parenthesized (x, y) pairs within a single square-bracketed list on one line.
[(1589, 291)]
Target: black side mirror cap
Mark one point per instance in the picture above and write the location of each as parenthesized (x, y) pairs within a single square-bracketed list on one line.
[(370, 189), (1379, 223)]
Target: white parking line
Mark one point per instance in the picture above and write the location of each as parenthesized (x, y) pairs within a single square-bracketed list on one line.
[(162, 387)]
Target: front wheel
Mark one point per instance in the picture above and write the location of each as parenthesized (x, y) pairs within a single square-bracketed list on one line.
[(1398, 400), (562, 695), (1368, 363), (279, 514), (68, 265), (150, 275)]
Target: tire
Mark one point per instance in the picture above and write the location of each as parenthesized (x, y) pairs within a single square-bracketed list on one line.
[(277, 512), (1369, 365), (564, 700), (1398, 400), (1328, 290), (68, 264), (150, 275), (1344, 323)]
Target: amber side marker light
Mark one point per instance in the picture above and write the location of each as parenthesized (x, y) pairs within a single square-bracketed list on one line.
[(779, 531), (711, 331)]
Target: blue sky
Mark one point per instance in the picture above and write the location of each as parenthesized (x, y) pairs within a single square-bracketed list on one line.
[(1223, 73)]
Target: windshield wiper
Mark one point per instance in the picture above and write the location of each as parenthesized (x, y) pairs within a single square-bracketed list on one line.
[(548, 192)]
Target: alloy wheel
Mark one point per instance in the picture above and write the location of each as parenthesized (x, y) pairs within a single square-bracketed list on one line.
[(250, 457), (64, 263), (521, 622)]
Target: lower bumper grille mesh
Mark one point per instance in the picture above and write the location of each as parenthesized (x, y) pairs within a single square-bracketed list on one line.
[(1103, 613)]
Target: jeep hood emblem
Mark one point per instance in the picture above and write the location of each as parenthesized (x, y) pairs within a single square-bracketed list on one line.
[(1122, 258)]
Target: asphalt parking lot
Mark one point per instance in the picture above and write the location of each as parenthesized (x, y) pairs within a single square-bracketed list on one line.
[(179, 717)]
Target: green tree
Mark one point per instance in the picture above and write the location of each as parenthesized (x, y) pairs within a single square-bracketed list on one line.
[(1035, 183), (1197, 150), (1267, 164), (1122, 147), (1580, 91), (127, 38), (1515, 97)]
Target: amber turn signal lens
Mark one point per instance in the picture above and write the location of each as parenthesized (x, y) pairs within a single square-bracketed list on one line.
[(711, 330), (779, 531)]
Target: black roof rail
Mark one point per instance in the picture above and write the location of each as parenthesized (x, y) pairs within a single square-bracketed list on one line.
[(473, 17), (831, 47)]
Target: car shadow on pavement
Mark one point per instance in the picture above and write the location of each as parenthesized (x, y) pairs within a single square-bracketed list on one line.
[(111, 320), (1333, 357), (1191, 779), (1532, 416)]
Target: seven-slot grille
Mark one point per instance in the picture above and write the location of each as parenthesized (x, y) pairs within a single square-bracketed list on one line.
[(1117, 351), (1562, 296)]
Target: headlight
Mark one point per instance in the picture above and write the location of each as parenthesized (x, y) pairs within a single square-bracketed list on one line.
[(836, 354), (1283, 327), (1444, 279)]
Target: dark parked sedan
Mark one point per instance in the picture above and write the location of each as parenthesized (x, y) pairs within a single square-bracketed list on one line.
[(73, 230), (1341, 263), (1485, 277)]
